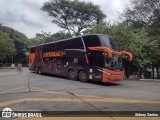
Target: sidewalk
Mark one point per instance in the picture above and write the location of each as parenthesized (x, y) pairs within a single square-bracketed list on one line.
[(158, 80), (7, 69), (142, 79)]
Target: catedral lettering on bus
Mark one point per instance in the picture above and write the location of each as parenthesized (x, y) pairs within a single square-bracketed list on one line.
[(89, 57), (53, 54)]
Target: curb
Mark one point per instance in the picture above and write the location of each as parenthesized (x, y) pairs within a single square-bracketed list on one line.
[(150, 79)]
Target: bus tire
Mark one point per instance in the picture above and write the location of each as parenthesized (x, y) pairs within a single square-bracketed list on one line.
[(72, 75), (39, 71), (82, 76)]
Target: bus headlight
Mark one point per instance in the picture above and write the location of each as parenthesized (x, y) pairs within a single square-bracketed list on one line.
[(105, 72)]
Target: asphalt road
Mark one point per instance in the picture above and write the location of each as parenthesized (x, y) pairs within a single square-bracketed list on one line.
[(27, 91)]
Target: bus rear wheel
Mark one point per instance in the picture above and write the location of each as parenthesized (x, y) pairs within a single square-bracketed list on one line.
[(82, 76), (72, 75)]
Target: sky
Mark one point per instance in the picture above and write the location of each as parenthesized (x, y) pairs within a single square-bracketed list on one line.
[(26, 16)]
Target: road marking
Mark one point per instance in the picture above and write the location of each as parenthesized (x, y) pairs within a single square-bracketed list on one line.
[(110, 100), (11, 90), (48, 91), (39, 100), (85, 97), (64, 93)]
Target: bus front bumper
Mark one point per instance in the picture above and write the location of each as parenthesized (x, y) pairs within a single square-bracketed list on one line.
[(112, 76)]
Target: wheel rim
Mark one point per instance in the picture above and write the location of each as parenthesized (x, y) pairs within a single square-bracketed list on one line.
[(83, 76), (72, 75)]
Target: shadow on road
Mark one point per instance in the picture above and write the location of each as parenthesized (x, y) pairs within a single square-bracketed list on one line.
[(89, 82), (104, 84)]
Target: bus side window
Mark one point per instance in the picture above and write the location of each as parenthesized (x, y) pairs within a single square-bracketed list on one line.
[(96, 60), (90, 57), (49, 47), (64, 59), (91, 41), (75, 43)]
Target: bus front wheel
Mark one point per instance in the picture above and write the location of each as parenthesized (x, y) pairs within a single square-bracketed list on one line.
[(72, 75), (82, 76)]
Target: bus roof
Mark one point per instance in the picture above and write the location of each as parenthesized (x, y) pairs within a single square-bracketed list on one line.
[(68, 39)]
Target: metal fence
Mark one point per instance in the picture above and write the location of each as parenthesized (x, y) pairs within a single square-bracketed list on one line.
[(8, 65)]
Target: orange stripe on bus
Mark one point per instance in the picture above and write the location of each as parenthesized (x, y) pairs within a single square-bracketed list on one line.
[(31, 58)]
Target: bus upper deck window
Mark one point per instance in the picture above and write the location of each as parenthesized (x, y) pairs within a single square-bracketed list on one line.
[(91, 41)]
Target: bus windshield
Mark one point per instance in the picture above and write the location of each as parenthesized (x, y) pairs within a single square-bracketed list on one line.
[(114, 63), (109, 42)]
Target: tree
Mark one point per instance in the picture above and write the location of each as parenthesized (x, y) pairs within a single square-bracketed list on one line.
[(146, 14), (20, 42), (6, 46), (131, 39), (73, 16), (49, 37), (57, 36), (141, 10), (154, 30)]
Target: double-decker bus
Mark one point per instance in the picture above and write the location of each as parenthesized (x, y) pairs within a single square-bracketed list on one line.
[(89, 57)]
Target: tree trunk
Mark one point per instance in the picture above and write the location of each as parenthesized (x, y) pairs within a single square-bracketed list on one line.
[(140, 73), (152, 71), (127, 75), (157, 70), (126, 71), (125, 65)]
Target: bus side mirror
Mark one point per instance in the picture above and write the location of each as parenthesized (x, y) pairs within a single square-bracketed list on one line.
[(104, 49), (129, 54)]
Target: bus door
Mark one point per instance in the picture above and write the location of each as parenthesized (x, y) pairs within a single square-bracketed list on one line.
[(96, 61)]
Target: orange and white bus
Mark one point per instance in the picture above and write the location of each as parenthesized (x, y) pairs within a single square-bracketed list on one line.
[(93, 57)]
